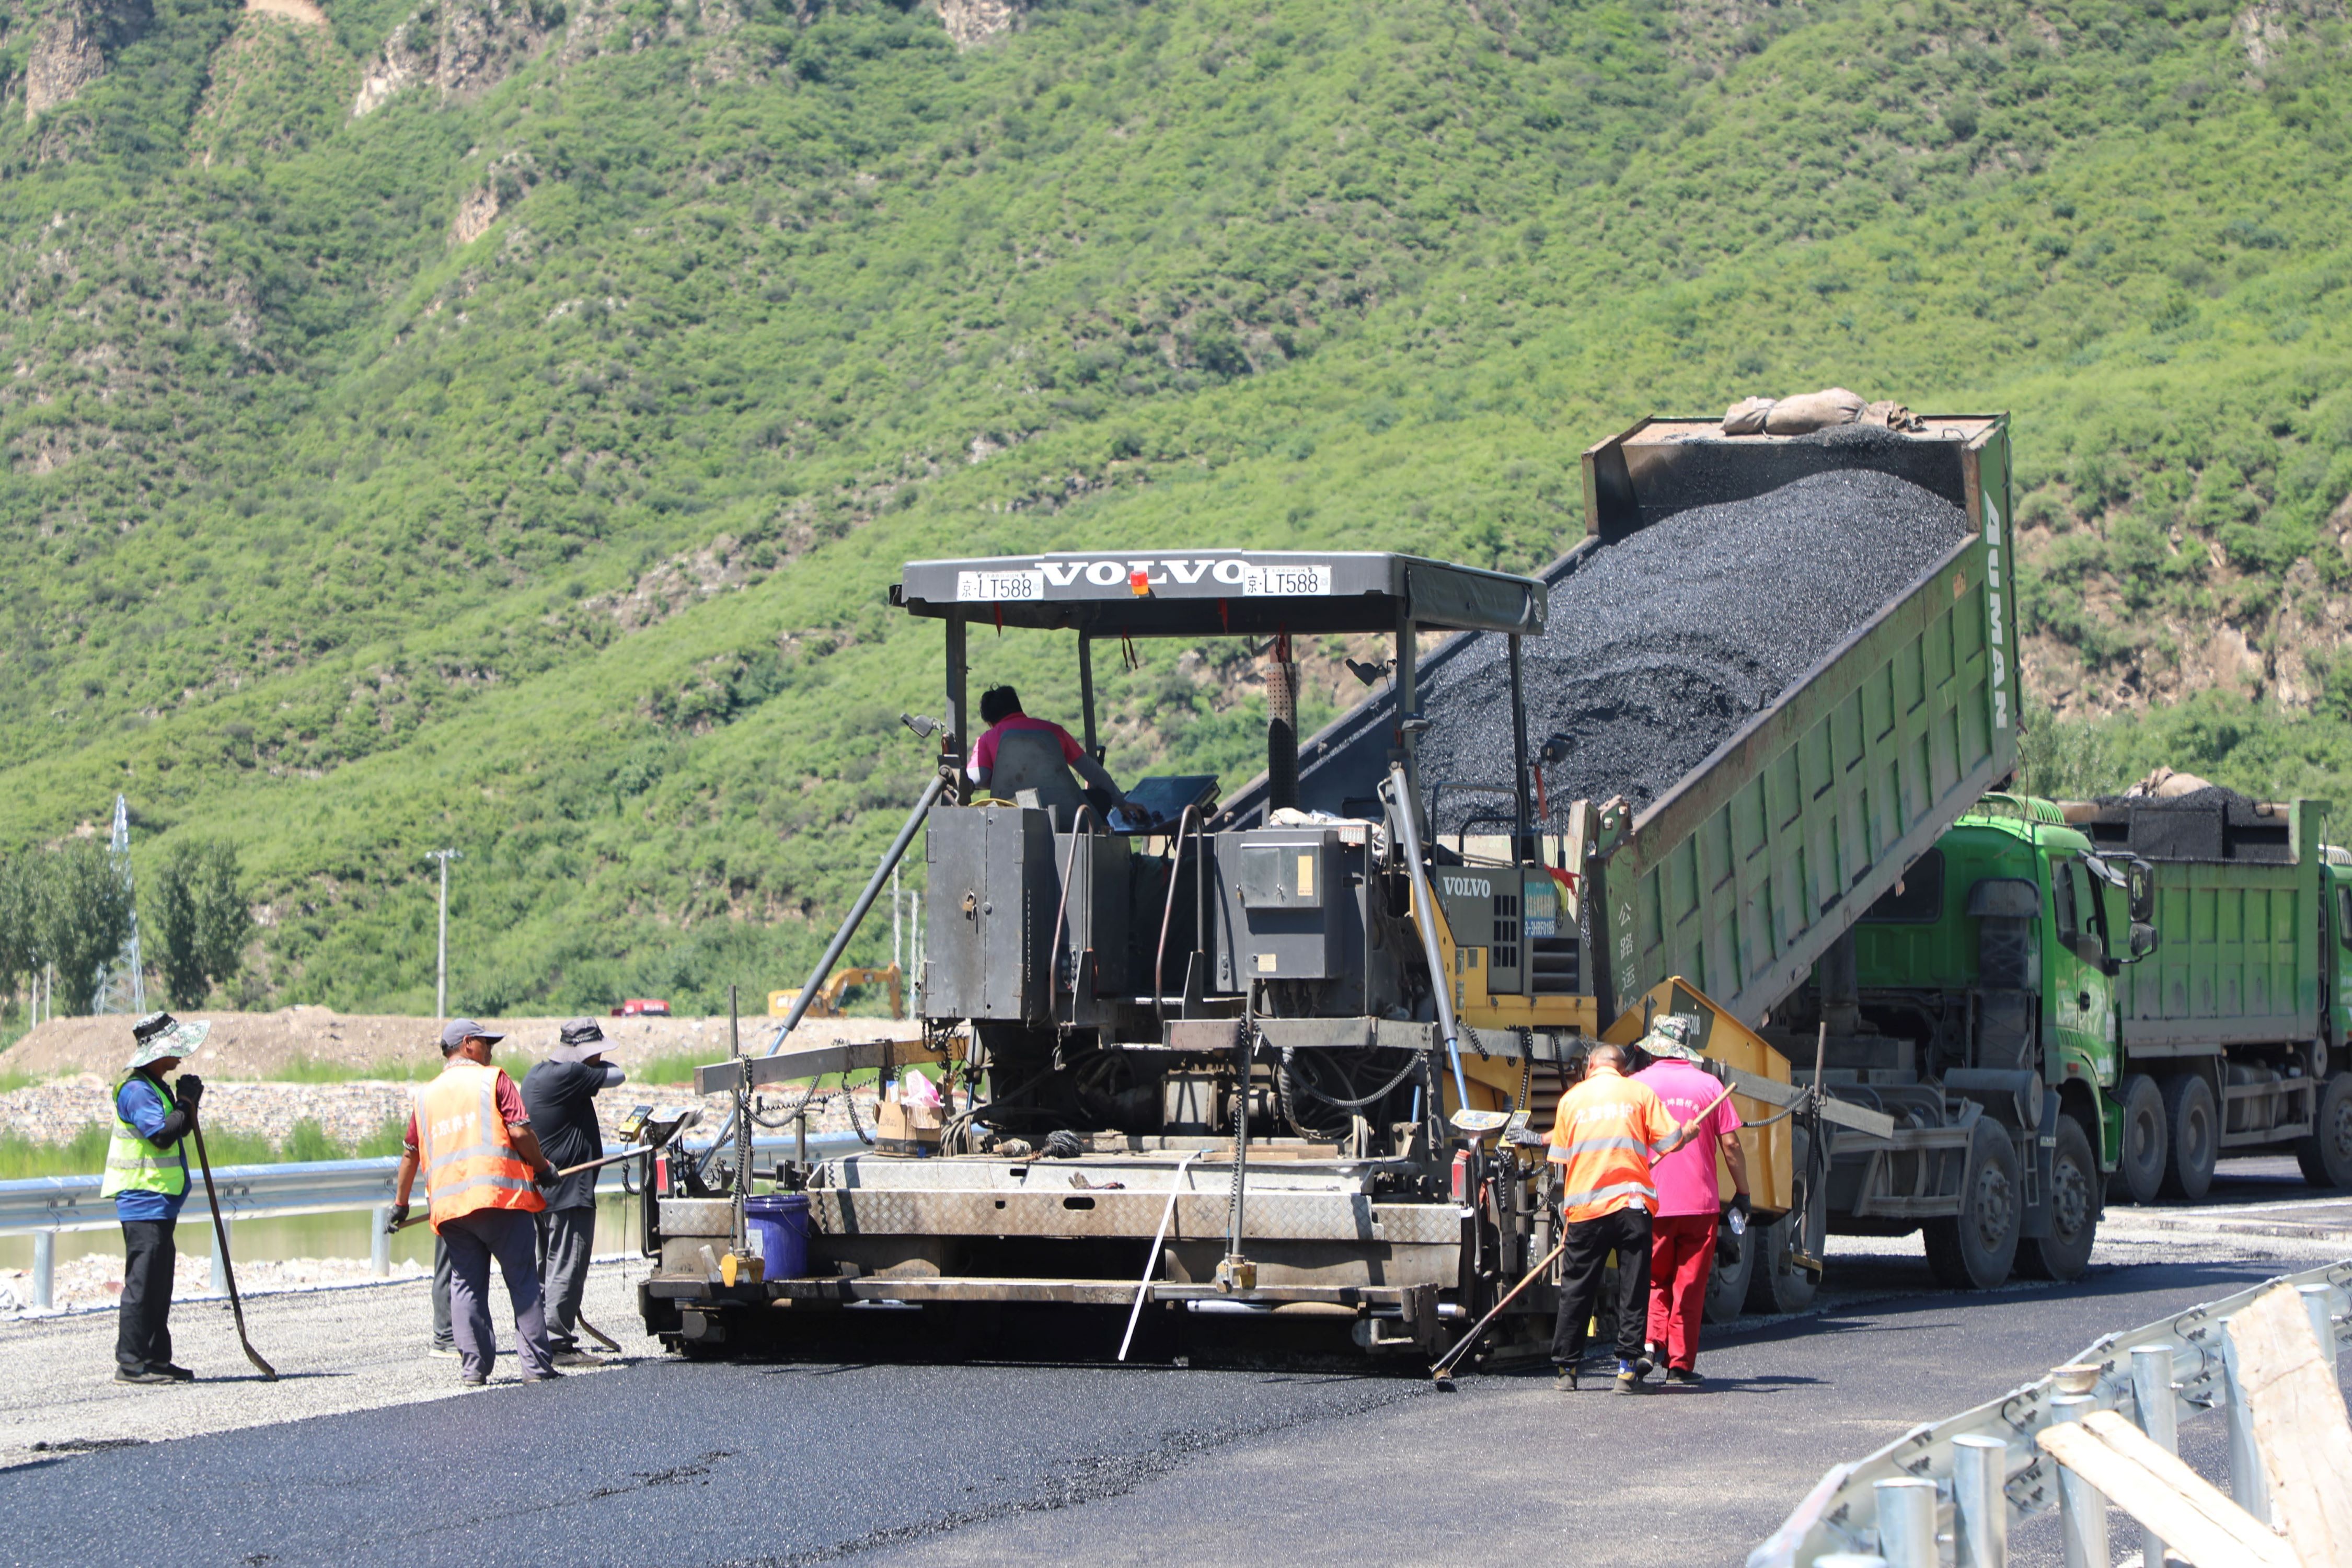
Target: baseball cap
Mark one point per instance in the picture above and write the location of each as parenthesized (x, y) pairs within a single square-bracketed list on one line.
[(158, 1035), (582, 1039), (458, 1031)]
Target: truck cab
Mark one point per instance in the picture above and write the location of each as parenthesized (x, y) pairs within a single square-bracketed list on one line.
[(1976, 1004)]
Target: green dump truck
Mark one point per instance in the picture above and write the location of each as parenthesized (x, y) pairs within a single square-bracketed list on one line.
[(2231, 1036), (2140, 985)]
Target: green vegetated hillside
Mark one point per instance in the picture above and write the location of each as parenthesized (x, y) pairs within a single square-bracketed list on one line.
[(519, 464)]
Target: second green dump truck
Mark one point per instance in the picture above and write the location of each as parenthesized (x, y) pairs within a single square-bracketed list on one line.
[(2137, 983)]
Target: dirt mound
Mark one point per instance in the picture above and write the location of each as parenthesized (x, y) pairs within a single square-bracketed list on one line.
[(276, 1045)]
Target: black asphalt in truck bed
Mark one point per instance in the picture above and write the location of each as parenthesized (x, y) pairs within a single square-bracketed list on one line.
[(1660, 645)]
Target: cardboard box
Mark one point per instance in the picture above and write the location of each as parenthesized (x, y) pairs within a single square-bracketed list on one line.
[(913, 1130)]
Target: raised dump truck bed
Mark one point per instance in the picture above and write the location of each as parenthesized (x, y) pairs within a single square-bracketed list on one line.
[(1741, 872)]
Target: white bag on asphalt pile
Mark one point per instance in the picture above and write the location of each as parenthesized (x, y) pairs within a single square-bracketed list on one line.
[(1745, 417), (1813, 411)]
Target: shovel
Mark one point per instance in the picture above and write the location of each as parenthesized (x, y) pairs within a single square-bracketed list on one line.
[(228, 1271)]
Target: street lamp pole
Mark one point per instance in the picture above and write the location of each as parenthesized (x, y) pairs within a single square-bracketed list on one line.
[(441, 963)]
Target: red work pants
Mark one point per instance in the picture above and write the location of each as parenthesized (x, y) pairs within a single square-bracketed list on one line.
[(1681, 1255)]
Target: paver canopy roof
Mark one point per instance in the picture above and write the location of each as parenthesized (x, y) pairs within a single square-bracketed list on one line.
[(1209, 592)]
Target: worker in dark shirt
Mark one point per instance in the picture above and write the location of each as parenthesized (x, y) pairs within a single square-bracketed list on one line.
[(561, 1095), (147, 1177)]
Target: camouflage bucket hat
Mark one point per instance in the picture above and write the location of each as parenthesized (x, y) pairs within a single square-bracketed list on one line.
[(158, 1035), (1669, 1036)]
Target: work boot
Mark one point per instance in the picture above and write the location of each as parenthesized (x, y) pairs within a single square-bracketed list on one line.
[(441, 1351), (577, 1358), (1564, 1381), (1646, 1362), (148, 1376), (1629, 1379), (176, 1373), (549, 1375), (1687, 1376)]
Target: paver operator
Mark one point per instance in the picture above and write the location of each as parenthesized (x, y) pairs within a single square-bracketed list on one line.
[(483, 1167), (147, 1177), (1000, 710), (1690, 1205), (560, 1093), (1608, 1131)]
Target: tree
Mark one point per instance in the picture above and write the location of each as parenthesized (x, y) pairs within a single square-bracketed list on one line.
[(198, 920), (82, 918), (17, 936)]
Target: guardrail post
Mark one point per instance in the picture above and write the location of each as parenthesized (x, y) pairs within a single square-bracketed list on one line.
[(1907, 1522), (1980, 1503), (44, 1269), (380, 1241), (220, 1263), (2249, 1487), (2082, 1507), (2315, 1300), (2159, 1417)]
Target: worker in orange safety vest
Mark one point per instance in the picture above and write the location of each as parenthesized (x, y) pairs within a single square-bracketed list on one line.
[(483, 1168), (1609, 1129)]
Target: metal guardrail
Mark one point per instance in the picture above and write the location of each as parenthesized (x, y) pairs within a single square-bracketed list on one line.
[(45, 1206), (1976, 1474)]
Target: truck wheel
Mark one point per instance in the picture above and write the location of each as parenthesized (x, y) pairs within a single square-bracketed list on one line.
[(2195, 1135), (2065, 1252), (2326, 1155), (1727, 1287), (1974, 1249), (2147, 1142), (1775, 1283)]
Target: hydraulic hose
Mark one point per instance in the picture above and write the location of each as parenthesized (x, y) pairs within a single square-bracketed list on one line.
[(841, 939), (1424, 915)]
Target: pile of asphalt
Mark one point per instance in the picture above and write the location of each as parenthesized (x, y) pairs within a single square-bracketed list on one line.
[(1660, 645)]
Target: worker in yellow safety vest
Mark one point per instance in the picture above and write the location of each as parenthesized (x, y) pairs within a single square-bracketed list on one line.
[(1609, 1129), (483, 1168), (147, 1177)]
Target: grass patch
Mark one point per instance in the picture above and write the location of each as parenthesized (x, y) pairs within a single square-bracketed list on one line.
[(84, 1154)]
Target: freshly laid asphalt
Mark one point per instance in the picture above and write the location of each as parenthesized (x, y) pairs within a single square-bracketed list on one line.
[(668, 1462), (770, 1466)]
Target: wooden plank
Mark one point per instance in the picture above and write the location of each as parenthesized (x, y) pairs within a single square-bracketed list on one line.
[(2195, 1520), (2300, 1425)]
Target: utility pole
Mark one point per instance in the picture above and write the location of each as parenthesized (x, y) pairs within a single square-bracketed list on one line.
[(129, 962), (441, 962)]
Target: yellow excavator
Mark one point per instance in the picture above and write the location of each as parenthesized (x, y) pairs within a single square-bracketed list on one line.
[(828, 1002)]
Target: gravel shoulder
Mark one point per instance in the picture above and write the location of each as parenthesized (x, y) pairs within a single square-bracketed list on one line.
[(336, 1349)]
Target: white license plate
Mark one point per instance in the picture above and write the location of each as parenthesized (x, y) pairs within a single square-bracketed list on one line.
[(1286, 582), (990, 586)]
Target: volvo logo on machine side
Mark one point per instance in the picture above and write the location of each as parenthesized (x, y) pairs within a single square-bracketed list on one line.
[(1246, 579)]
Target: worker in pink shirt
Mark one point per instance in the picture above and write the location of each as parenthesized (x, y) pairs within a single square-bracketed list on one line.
[(1000, 710), (1682, 1236)]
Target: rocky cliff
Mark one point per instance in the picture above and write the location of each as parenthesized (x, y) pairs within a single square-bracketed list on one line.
[(72, 45)]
